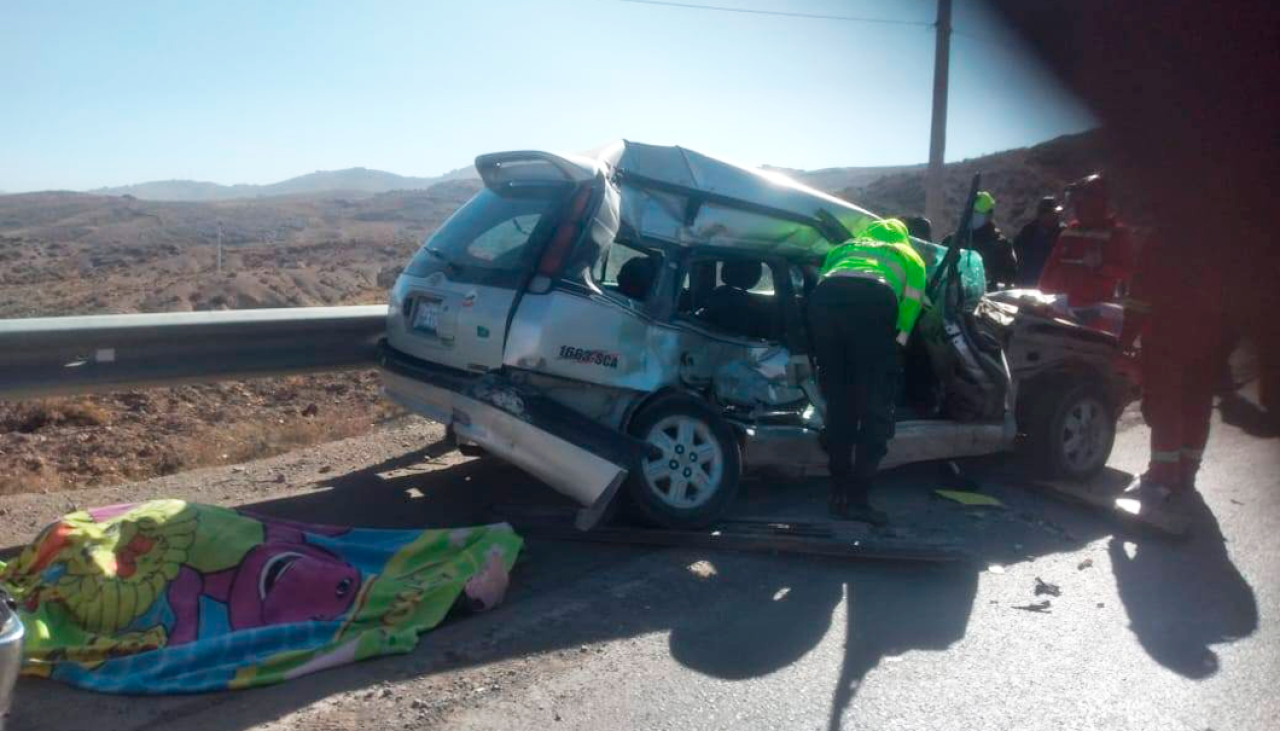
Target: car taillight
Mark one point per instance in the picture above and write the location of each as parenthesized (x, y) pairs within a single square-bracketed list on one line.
[(566, 233)]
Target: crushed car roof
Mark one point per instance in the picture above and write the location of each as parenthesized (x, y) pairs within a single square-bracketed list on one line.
[(687, 197)]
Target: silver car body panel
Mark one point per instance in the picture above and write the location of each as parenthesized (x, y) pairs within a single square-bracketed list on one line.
[(602, 404), (470, 320), (607, 340), (570, 469), (796, 447), (596, 339)]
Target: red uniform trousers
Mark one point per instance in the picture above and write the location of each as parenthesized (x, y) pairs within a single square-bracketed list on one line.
[(1180, 374)]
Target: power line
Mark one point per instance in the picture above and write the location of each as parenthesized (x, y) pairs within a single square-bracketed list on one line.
[(782, 13)]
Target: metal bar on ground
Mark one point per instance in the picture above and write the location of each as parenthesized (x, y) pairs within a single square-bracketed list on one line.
[(1104, 495), (812, 538), (68, 355)]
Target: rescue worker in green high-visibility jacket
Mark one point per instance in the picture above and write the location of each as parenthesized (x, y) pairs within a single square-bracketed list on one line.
[(869, 293)]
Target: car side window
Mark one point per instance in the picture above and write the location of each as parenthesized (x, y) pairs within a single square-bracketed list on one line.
[(735, 296), (763, 287), (627, 270)]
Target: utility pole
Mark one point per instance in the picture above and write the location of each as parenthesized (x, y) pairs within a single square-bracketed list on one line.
[(938, 131), (219, 247)]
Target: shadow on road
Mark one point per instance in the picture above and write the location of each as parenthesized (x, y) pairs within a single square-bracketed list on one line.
[(751, 616), (1182, 598), (890, 613)]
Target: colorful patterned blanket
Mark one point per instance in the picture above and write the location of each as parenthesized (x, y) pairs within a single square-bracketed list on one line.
[(173, 597)]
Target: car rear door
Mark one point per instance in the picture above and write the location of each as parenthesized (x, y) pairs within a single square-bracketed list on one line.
[(454, 302)]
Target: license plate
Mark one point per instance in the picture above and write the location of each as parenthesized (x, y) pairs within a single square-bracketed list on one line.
[(426, 318)]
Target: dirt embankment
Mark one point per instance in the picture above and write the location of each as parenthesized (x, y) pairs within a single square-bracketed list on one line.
[(91, 441), (70, 254)]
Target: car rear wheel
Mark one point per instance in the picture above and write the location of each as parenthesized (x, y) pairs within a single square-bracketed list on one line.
[(690, 475), (1071, 431)]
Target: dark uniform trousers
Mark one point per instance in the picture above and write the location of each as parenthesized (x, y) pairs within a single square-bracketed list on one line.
[(853, 325)]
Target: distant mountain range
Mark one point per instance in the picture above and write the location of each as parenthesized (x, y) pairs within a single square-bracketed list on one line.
[(365, 182), (353, 181), (1018, 178)]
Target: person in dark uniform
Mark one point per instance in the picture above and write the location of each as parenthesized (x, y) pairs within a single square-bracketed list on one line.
[(998, 259), (1036, 240), (869, 293)]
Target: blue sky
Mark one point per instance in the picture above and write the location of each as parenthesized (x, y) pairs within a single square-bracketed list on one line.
[(108, 93)]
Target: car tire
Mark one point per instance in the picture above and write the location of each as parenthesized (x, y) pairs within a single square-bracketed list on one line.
[(692, 471), (1070, 430)]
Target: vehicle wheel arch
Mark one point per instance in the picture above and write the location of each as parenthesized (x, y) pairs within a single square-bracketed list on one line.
[(1062, 378), (646, 401), (723, 465), (1040, 414), (639, 405)]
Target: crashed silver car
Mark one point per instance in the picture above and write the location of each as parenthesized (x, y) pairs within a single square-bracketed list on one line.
[(629, 326)]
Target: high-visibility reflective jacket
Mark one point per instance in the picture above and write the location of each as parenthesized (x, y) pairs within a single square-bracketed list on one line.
[(896, 265)]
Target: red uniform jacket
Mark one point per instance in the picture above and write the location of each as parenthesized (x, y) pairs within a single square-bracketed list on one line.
[(1068, 272), (1180, 298)]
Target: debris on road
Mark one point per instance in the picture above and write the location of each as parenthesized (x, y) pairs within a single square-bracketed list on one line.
[(970, 499), (1039, 607), (1044, 587), (1087, 563), (168, 596)]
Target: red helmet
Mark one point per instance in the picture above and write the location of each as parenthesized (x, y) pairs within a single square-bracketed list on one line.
[(1091, 198), (1091, 187)]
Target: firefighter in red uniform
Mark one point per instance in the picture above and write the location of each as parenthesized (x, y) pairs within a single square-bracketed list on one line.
[(1094, 255), (1178, 304)]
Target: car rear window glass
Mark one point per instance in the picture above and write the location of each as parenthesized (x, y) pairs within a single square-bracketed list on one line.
[(490, 232)]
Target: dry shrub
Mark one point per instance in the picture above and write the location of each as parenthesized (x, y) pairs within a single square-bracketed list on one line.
[(247, 441), (24, 481), (31, 416)]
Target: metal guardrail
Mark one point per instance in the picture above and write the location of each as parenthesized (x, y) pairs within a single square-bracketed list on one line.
[(63, 355)]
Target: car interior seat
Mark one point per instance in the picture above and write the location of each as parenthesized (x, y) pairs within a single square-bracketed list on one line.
[(733, 307), (635, 278)]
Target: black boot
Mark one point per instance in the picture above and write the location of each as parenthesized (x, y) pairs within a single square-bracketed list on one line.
[(860, 510)]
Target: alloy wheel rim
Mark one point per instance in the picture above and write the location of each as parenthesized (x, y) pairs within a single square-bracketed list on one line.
[(690, 468)]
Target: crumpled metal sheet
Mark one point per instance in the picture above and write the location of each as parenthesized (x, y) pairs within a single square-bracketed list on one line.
[(658, 183), (759, 381)]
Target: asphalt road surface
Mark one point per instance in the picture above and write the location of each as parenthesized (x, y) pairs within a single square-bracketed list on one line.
[(1147, 633)]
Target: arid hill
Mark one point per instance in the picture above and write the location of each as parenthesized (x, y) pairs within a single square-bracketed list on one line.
[(1017, 179)]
